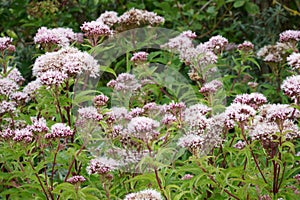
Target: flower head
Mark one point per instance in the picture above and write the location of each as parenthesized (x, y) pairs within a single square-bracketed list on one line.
[(38, 125), (143, 128), (139, 57), (211, 87), (90, 113), (246, 46), (7, 86), (24, 135), (289, 36), (76, 179), (216, 43), (291, 87), (148, 194), (7, 133), (15, 75), (7, 107), (95, 28), (125, 82), (102, 165), (5, 44), (57, 36), (59, 130), (53, 77), (238, 112), (100, 100), (254, 100), (109, 18), (294, 60), (135, 18)]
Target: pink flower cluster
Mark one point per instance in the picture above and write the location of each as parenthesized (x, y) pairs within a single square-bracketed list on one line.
[(5, 44), (20, 97), (143, 128), (289, 36), (7, 107), (32, 87), (211, 87), (7, 86), (125, 82), (38, 125), (239, 145), (139, 57), (95, 28), (294, 60), (23, 135), (245, 46), (7, 133), (239, 113), (76, 179), (101, 165), (59, 130), (53, 77), (109, 18), (135, 18), (15, 75), (57, 36), (100, 100), (291, 87), (191, 142), (216, 43), (54, 67), (90, 113), (255, 100)]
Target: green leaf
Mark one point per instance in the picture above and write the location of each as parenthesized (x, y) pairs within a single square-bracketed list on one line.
[(239, 3), (108, 70), (251, 8)]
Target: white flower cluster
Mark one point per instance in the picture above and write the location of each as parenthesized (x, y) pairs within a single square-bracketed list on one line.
[(148, 194)]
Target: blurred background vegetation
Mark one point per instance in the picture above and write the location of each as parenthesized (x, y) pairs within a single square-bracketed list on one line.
[(259, 21)]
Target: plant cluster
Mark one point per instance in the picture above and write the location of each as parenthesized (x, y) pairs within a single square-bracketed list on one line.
[(146, 134)]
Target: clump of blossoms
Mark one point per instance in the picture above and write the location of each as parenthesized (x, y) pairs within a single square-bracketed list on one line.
[(246, 46), (53, 77), (139, 57), (56, 36), (291, 87), (102, 165), (7, 133), (15, 75), (100, 100), (148, 194), (217, 44), (109, 18), (55, 67), (39, 125), (31, 88), (6, 44), (95, 30), (294, 60), (180, 43), (7, 86), (23, 135), (239, 113), (255, 100), (20, 97), (143, 128), (89, 113), (76, 179), (274, 53), (135, 18), (240, 145), (289, 36), (211, 87), (187, 177), (59, 130), (124, 83), (7, 107)]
